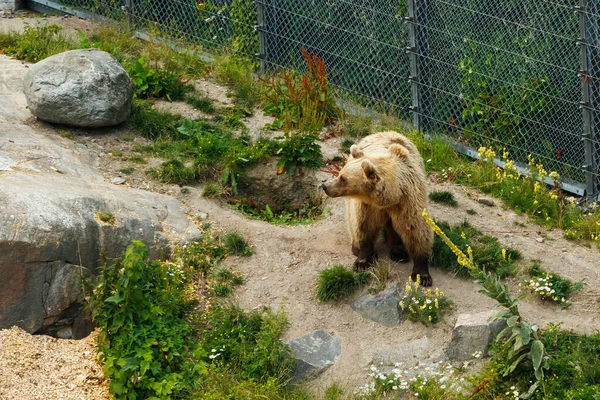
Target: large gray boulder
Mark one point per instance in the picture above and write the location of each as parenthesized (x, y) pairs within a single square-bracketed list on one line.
[(50, 232), (86, 88)]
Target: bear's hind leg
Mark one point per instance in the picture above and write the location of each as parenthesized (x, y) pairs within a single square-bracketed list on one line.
[(418, 239), (395, 244)]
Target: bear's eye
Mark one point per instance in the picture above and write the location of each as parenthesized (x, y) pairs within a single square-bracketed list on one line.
[(342, 179)]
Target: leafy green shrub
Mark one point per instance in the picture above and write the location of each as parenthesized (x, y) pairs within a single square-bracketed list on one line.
[(301, 102), (203, 254), (299, 150), (214, 150), (146, 344), (443, 198), (487, 251), (154, 81), (423, 305), (338, 281), (248, 343), (245, 39), (550, 286), (572, 374), (35, 43)]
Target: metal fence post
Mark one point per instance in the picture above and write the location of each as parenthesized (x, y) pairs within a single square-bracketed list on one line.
[(128, 5), (260, 16), (584, 73), (414, 66)]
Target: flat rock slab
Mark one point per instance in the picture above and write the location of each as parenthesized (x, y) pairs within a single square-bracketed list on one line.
[(13, 105), (315, 353), (408, 354), (383, 307)]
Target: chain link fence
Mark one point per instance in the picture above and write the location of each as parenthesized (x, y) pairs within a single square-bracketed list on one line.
[(502, 74), (362, 43), (520, 75)]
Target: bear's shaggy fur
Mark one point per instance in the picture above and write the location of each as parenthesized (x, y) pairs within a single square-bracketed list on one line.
[(385, 186)]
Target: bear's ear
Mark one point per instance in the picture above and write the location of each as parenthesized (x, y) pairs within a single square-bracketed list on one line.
[(369, 169), (356, 152), (399, 150)]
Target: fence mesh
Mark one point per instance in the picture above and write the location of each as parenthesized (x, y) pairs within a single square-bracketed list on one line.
[(361, 42), (499, 73), (503, 74)]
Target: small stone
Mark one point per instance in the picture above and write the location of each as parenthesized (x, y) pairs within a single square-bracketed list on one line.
[(472, 335), (507, 235), (203, 215), (486, 201), (117, 180), (540, 240), (563, 250), (65, 332), (383, 307), (315, 353)]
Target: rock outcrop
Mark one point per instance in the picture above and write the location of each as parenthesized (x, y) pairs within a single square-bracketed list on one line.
[(54, 228)]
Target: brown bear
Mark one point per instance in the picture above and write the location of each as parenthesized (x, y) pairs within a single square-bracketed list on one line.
[(385, 186)]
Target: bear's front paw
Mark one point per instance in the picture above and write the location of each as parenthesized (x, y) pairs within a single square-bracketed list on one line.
[(424, 279), (361, 265)]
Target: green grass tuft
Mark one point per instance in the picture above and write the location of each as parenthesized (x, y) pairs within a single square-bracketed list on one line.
[(151, 123), (203, 104), (173, 171), (443, 198), (237, 244), (128, 170), (247, 92), (106, 217), (339, 281), (213, 189)]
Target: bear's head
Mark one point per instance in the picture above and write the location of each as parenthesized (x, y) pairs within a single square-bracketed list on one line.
[(372, 179)]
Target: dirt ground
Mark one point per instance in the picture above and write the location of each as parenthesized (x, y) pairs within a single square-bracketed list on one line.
[(282, 273)]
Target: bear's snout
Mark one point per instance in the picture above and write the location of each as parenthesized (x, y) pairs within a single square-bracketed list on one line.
[(330, 189)]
